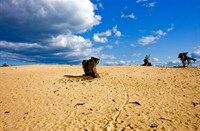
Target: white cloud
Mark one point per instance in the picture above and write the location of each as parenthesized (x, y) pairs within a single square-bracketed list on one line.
[(98, 39), (155, 59), (102, 37), (60, 49), (147, 40), (54, 22), (160, 33), (70, 41), (117, 63), (106, 33), (132, 16), (75, 16), (116, 32), (75, 46), (85, 53), (19, 46)]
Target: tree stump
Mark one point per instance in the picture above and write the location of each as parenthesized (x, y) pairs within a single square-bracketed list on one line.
[(89, 67), (146, 61), (4, 65)]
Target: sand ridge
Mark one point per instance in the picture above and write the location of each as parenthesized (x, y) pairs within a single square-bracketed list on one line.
[(54, 97)]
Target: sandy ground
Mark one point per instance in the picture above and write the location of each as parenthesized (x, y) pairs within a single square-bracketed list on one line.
[(135, 98)]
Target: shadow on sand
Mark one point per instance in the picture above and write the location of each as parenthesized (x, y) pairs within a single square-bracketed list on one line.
[(82, 77), (72, 76)]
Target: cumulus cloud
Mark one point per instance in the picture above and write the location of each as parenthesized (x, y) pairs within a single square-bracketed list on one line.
[(46, 17), (132, 16), (102, 37), (106, 34), (70, 41), (43, 31), (158, 34), (60, 49), (74, 47), (99, 39)]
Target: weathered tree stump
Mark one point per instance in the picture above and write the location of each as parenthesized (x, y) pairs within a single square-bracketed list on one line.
[(89, 67)]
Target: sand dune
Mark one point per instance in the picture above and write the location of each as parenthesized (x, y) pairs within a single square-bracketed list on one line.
[(54, 97)]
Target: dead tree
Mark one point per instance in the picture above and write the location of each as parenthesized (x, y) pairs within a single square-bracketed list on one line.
[(183, 57)]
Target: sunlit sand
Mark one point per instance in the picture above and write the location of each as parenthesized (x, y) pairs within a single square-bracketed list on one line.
[(55, 97)]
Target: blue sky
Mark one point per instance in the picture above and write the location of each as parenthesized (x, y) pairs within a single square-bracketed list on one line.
[(119, 32)]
